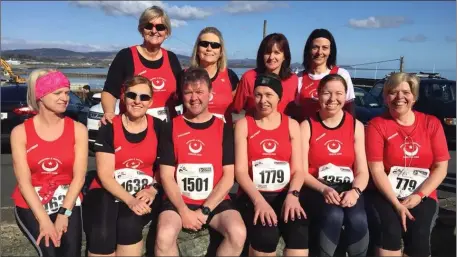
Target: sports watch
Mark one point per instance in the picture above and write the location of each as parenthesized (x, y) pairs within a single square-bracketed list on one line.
[(294, 193), (64, 211), (205, 210)]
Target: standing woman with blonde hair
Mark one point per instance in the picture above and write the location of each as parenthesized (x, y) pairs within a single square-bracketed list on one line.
[(210, 53), (149, 60), (50, 161)]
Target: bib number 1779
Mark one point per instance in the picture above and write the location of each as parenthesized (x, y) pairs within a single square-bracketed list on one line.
[(271, 176)]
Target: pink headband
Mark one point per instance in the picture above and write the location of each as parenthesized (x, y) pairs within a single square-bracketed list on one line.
[(49, 83)]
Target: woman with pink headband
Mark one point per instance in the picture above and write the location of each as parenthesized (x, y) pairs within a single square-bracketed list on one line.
[(50, 161)]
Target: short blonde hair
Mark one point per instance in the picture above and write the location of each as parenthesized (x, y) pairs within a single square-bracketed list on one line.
[(31, 84), (397, 78), (222, 62), (152, 13)]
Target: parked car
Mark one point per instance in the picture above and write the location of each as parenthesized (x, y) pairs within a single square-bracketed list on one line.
[(14, 109), (366, 106), (436, 97), (93, 121)]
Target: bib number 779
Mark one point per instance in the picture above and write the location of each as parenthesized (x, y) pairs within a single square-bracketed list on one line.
[(404, 183)]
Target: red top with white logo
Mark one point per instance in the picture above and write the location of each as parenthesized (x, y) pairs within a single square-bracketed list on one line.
[(419, 145), (221, 96), (198, 146), (50, 162), (245, 99), (307, 97), (139, 156), (331, 145), (274, 144), (163, 81)]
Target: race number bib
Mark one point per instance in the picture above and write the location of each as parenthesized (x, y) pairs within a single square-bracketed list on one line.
[(57, 199), (270, 175), (333, 174), (160, 113), (405, 181), (133, 181), (195, 180), (220, 116)]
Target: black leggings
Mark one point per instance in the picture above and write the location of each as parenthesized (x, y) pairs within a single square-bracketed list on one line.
[(265, 238), (108, 223), (417, 238), (70, 242)]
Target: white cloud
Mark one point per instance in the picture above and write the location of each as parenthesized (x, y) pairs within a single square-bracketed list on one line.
[(252, 6), (378, 22), (178, 14), (15, 43), (414, 39)]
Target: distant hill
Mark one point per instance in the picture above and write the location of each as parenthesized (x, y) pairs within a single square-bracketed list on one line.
[(62, 55)]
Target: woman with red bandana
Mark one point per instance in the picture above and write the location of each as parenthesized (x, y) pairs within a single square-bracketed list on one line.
[(273, 56), (149, 60), (333, 144), (319, 60), (269, 169), (50, 161), (122, 199), (408, 159), (209, 53)]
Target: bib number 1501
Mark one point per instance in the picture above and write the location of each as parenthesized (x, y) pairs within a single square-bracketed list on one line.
[(195, 184), (271, 176)]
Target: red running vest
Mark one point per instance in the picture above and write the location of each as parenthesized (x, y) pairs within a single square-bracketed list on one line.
[(307, 96), (274, 144), (245, 99), (50, 162), (198, 146), (331, 145), (140, 156), (163, 82), (221, 97)]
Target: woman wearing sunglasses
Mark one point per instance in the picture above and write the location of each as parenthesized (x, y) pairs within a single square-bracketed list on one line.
[(319, 60), (50, 161), (337, 172), (122, 199), (209, 53), (150, 60), (273, 56), (268, 169), (408, 159)]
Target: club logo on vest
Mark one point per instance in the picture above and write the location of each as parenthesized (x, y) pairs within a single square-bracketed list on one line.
[(313, 93), (50, 165), (133, 163), (410, 150), (269, 146), (334, 147), (195, 147), (158, 84)]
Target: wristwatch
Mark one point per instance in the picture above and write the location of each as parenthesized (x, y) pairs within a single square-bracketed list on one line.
[(357, 190), (64, 211), (294, 193), (205, 210)]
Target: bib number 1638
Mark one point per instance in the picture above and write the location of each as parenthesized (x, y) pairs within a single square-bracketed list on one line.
[(135, 185)]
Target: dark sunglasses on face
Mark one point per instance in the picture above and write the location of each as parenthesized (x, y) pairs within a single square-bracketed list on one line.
[(159, 27), (133, 95), (205, 44)]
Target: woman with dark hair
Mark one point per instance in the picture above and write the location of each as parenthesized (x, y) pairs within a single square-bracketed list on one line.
[(319, 60), (273, 56)]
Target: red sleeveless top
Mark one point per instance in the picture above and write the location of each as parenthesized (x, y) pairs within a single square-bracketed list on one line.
[(50, 162), (140, 156), (163, 82), (307, 95), (331, 145), (274, 144), (221, 97), (195, 152)]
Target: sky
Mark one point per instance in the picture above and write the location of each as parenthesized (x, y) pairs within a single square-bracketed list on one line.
[(423, 32)]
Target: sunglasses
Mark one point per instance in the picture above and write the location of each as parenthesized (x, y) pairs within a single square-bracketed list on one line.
[(133, 95), (205, 44), (159, 27)]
